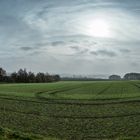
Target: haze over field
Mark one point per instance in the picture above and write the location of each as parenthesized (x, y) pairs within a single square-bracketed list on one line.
[(75, 37)]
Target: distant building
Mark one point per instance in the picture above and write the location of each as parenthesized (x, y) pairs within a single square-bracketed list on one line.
[(114, 77)]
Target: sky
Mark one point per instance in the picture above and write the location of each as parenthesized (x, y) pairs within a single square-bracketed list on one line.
[(70, 36)]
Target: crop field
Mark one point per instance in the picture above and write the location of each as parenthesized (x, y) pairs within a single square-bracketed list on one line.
[(71, 110)]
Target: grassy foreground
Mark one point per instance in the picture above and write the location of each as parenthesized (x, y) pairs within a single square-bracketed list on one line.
[(70, 111)]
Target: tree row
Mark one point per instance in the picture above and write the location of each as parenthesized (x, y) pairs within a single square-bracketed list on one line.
[(22, 76)]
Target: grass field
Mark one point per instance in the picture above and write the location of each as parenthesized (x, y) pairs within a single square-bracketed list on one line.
[(70, 110)]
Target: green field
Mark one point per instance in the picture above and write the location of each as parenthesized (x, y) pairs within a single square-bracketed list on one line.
[(70, 110)]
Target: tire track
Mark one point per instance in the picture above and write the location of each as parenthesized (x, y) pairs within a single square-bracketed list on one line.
[(44, 100), (69, 117), (38, 95), (136, 85), (105, 89), (110, 137), (64, 102), (97, 117), (76, 101), (53, 92)]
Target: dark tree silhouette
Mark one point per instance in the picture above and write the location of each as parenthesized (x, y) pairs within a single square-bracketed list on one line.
[(31, 77), (132, 76), (114, 77), (2, 74), (22, 76)]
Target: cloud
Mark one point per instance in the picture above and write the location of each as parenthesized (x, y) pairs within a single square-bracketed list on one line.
[(44, 30), (83, 51), (57, 43), (135, 64), (26, 48), (76, 48), (125, 50), (104, 53)]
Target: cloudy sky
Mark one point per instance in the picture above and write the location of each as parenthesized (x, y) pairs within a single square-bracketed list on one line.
[(70, 36)]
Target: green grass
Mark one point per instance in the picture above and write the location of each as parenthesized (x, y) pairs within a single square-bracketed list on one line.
[(99, 90), (29, 90), (72, 110)]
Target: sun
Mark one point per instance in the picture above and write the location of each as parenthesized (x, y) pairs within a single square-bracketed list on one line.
[(99, 28)]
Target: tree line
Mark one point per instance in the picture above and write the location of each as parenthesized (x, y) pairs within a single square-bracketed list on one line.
[(22, 76), (132, 76), (127, 76)]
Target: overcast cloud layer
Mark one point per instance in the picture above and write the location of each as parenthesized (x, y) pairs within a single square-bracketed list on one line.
[(55, 36)]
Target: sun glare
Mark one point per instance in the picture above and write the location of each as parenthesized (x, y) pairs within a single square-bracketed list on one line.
[(99, 28)]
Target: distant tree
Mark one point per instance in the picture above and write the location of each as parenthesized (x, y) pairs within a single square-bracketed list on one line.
[(114, 77), (57, 77), (14, 77), (2, 74), (132, 76), (22, 76), (31, 77), (49, 78), (7, 79), (40, 77)]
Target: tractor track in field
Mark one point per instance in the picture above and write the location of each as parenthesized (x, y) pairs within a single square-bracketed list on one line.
[(44, 100), (104, 90), (70, 102), (91, 102), (136, 85), (110, 137), (53, 92), (37, 114), (96, 117), (76, 101)]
